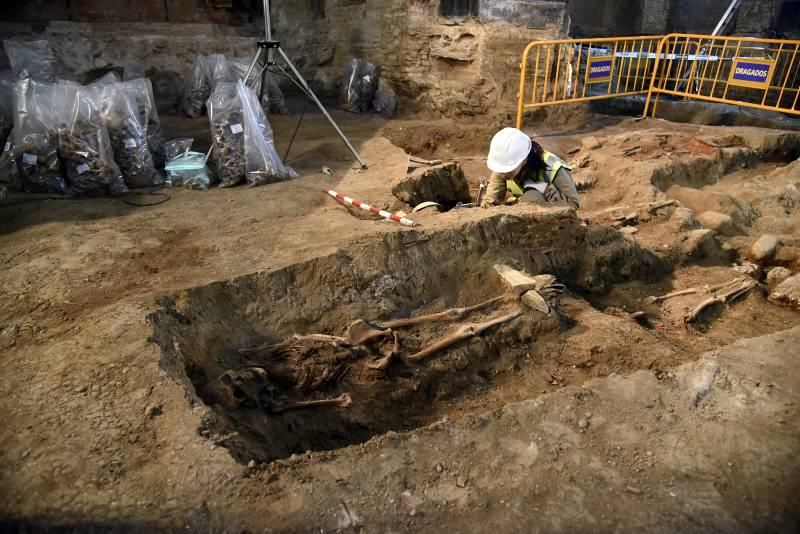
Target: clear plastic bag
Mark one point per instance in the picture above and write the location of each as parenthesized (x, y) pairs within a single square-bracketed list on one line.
[(140, 91), (83, 142), (31, 159), (359, 86), (273, 99), (263, 165), (236, 71), (31, 59), (197, 89), (6, 107), (217, 70), (128, 137), (227, 134), (185, 168)]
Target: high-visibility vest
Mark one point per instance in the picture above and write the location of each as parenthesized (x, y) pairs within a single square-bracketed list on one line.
[(554, 164)]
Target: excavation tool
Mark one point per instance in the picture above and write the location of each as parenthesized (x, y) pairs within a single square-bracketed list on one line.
[(481, 191), (357, 203), (264, 59)]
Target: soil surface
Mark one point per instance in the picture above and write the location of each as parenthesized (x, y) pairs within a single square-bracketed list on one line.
[(612, 411)]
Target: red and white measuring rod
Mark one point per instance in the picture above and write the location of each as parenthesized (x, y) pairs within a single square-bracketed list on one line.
[(357, 203)]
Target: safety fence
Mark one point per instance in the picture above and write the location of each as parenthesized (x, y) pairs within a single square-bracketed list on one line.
[(760, 73), (745, 71), (580, 70)]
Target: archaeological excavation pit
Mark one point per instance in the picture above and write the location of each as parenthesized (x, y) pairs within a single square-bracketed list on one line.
[(271, 395)]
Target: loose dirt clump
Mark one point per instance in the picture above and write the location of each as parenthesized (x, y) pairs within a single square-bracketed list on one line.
[(443, 184)]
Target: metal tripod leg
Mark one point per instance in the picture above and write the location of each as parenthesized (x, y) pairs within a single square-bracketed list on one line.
[(324, 111)]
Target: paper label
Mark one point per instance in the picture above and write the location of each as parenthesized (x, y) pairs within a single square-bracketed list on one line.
[(130, 143), (30, 159), (236, 128), (82, 168), (8, 146)]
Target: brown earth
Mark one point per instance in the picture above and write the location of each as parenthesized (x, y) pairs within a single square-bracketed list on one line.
[(114, 319)]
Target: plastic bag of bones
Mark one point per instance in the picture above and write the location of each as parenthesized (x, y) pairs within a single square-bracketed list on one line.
[(359, 86), (184, 167), (242, 137), (128, 136), (140, 91), (84, 144), (31, 59), (31, 157), (60, 142), (6, 107)]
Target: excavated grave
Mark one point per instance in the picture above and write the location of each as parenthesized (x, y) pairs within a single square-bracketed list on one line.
[(202, 330)]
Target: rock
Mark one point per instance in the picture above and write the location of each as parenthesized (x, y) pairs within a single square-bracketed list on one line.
[(583, 423), (590, 143), (629, 230), (776, 276), (518, 282), (787, 255), (153, 410), (764, 248), (787, 292), (461, 482), (699, 201), (439, 468), (251, 464), (634, 490), (685, 219), (719, 222), (702, 243)]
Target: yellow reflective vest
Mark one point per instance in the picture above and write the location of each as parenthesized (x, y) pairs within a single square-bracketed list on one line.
[(554, 164)]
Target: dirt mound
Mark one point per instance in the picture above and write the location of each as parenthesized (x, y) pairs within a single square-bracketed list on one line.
[(443, 184)]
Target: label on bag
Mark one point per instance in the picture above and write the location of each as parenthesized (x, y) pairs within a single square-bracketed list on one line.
[(82, 168), (130, 143), (30, 159), (236, 128)]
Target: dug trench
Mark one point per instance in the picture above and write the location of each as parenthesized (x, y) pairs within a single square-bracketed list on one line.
[(268, 395)]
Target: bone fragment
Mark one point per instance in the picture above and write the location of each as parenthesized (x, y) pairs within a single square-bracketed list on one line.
[(447, 315), (342, 401), (463, 332)]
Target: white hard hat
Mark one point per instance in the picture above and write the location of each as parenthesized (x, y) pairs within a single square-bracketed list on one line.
[(509, 148)]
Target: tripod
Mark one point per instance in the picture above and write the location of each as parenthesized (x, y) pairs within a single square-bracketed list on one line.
[(264, 57)]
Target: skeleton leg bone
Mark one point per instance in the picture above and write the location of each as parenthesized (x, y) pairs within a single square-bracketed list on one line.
[(724, 298), (342, 401), (461, 333), (447, 315)]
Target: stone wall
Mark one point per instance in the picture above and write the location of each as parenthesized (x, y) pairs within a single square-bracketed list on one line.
[(451, 66)]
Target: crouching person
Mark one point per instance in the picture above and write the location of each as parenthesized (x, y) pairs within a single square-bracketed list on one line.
[(522, 168)]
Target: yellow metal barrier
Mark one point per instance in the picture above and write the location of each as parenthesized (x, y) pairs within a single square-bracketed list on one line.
[(751, 72), (580, 70)]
